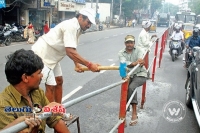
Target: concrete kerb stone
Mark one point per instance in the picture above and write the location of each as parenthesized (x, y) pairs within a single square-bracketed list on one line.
[(95, 28)]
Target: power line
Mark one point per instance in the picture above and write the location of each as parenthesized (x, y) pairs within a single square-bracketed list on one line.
[(25, 2), (15, 4), (10, 9)]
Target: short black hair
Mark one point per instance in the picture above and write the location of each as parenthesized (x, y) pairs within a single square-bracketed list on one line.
[(21, 62)]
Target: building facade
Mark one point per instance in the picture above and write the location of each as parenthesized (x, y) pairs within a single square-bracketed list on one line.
[(183, 5), (38, 11)]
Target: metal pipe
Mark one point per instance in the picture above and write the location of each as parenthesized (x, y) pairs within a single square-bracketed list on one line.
[(155, 55), (91, 94), (120, 121), (129, 101), (161, 50), (22, 125), (151, 63), (123, 101)]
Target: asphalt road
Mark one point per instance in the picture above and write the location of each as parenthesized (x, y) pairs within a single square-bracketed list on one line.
[(100, 113)]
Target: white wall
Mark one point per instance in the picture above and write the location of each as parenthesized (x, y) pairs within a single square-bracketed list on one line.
[(104, 9)]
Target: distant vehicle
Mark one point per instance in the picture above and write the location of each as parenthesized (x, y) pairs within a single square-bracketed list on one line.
[(100, 26), (198, 19), (172, 18), (192, 85), (187, 30), (186, 17), (153, 25), (163, 19)]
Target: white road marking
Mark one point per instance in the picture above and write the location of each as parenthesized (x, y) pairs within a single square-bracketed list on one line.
[(106, 37), (110, 59), (115, 35), (102, 71), (71, 93), (95, 40), (112, 64)]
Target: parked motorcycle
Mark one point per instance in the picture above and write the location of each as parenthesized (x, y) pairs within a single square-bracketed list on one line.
[(5, 37), (175, 49), (100, 26), (16, 34)]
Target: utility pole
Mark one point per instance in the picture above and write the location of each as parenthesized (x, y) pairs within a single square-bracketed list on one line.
[(163, 2), (168, 7), (97, 1), (111, 12), (97, 15), (120, 8), (149, 8), (91, 3)]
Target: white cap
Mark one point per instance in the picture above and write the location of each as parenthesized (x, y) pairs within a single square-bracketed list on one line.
[(90, 13), (146, 24)]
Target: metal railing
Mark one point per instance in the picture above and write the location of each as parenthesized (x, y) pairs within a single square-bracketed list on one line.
[(123, 101)]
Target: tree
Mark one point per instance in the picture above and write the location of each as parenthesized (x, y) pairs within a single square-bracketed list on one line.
[(169, 8), (194, 6), (129, 5), (155, 4)]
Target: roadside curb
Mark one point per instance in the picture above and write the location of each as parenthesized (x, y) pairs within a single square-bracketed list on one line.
[(105, 28)]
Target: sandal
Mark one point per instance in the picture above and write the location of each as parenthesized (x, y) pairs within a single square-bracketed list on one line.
[(133, 122)]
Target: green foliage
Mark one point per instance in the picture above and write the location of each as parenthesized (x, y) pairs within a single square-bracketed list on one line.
[(194, 6), (169, 8), (155, 4), (129, 6)]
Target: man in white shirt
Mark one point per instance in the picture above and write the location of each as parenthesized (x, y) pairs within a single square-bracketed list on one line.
[(144, 39), (133, 22), (60, 41), (178, 35)]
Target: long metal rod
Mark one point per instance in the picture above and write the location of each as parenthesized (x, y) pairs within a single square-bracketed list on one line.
[(22, 125), (130, 99), (120, 121), (86, 96), (151, 63)]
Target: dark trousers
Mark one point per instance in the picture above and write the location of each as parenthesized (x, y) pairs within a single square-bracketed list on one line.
[(135, 82), (182, 45)]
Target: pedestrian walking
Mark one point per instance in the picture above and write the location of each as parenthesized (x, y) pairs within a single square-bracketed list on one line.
[(29, 32), (46, 27)]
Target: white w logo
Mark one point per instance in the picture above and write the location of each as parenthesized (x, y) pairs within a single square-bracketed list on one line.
[(174, 111)]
